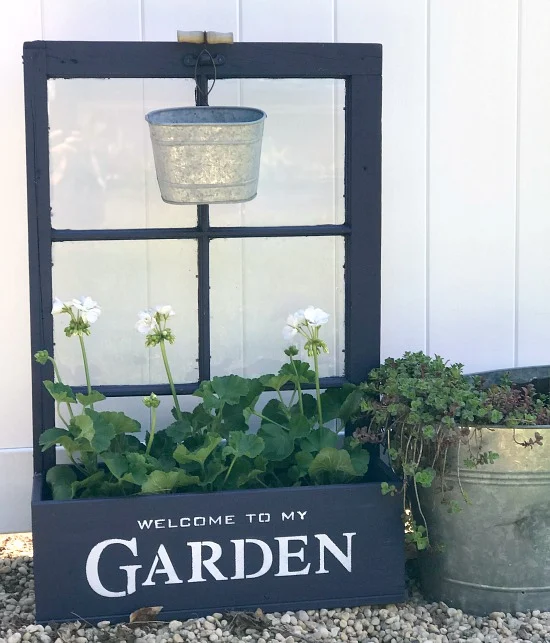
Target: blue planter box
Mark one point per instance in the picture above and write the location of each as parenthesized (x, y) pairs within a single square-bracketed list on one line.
[(194, 554)]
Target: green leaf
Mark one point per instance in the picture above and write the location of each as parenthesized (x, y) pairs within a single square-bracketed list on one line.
[(332, 466), (90, 486), (84, 427), (92, 398), (60, 478), (116, 463), (137, 468), (60, 392), (278, 443), (163, 481), (387, 488), (425, 477), (275, 382), (103, 430), (299, 426), (334, 399), (51, 437), (244, 444), (318, 439), (121, 422), (213, 470), (182, 455), (360, 459), (276, 412), (305, 374), (180, 429), (300, 468), (127, 444), (352, 405)]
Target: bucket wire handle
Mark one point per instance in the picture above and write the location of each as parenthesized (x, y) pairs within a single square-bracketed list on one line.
[(197, 87)]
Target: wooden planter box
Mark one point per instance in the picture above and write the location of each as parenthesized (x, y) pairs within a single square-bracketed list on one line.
[(194, 554)]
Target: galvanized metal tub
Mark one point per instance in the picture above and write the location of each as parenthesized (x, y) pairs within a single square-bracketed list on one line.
[(207, 154), (494, 555)]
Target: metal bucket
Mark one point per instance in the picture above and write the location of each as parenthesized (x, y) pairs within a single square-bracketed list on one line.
[(494, 555), (207, 154)]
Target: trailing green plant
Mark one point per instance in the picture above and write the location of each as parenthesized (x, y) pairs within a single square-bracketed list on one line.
[(212, 447), (419, 407)]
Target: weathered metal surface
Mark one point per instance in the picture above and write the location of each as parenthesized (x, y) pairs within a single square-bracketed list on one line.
[(495, 553), (207, 154)]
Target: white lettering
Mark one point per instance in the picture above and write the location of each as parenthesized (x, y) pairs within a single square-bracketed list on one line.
[(286, 516), (171, 524), (92, 568), (159, 523), (302, 514), (185, 522), (199, 521), (284, 555), (230, 520), (239, 558), (168, 568), (250, 516), (215, 521), (326, 543), (197, 562), (145, 524), (266, 517)]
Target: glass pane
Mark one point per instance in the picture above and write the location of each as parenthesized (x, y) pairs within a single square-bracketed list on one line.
[(302, 164), (102, 173), (256, 283), (125, 277)]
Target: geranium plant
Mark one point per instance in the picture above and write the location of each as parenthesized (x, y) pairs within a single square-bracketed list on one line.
[(212, 447)]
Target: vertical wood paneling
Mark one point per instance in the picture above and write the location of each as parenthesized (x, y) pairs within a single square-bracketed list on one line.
[(15, 425), (92, 20), (162, 18), (472, 197), (400, 25), (287, 20), (15, 490), (533, 330)]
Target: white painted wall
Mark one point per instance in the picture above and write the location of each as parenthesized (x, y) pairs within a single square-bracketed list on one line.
[(466, 160)]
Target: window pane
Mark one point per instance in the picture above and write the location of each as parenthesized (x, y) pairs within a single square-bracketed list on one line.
[(125, 277), (256, 283), (102, 172), (302, 164)]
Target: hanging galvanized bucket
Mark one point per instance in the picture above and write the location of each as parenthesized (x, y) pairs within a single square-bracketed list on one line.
[(207, 154)]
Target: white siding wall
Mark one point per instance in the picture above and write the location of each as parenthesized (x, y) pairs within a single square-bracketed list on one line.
[(466, 161)]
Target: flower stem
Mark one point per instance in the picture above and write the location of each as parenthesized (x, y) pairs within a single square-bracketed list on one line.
[(86, 368), (152, 432), (317, 387), (263, 417), (229, 470), (58, 378), (298, 387), (57, 405), (170, 379)]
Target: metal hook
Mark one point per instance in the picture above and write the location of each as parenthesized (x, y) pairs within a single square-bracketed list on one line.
[(203, 56)]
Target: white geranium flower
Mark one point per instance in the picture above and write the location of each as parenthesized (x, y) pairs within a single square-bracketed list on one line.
[(57, 306), (146, 322), (89, 309), (315, 316), (165, 311), (293, 322)]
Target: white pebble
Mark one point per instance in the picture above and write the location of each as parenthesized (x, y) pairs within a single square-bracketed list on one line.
[(285, 619), (302, 616)]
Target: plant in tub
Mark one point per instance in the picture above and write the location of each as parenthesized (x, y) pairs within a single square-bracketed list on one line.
[(430, 416), (210, 448)]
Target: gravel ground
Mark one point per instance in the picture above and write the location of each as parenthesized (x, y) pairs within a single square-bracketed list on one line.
[(411, 622)]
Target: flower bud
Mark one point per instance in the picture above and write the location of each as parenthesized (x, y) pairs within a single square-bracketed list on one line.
[(291, 351), (151, 401), (42, 357)]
